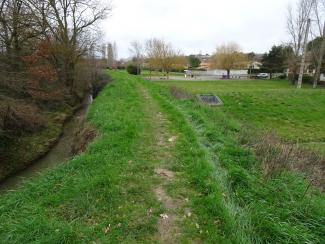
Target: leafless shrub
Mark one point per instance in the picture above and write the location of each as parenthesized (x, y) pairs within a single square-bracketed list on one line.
[(17, 118), (180, 93), (82, 138), (275, 155)]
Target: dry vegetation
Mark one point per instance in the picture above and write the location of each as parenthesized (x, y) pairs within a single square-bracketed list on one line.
[(47, 67), (275, 155)]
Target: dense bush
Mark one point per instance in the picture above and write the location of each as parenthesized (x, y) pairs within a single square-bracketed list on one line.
[(305, 79), (200, 69), (177, 70), (257, 71), (99, 83), (282, 77), (133, 69), (308, 79), (17, 118)]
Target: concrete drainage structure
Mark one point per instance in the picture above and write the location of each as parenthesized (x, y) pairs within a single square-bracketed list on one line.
[(209, 99)]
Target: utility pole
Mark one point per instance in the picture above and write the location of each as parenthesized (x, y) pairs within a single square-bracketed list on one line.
[(320, 60), (302, 65)]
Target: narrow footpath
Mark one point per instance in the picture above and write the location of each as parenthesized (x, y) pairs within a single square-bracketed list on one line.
[(162, 148)]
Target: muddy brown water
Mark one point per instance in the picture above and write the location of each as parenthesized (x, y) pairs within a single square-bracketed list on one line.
[(57, 155)]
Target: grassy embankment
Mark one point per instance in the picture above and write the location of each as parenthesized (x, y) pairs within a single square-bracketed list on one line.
[(296, 115), (108, 194)]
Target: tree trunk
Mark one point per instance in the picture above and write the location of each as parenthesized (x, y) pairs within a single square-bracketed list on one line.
[(293, 79), (302, 65), (228, 74), (320, 61)]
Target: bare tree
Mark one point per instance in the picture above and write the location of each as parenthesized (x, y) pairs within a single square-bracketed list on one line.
[(318, 31), (17, 28), (162, 55), (296, 25), (136, 48), (67, 24), (227, 57), (153, 54), (303, 56)]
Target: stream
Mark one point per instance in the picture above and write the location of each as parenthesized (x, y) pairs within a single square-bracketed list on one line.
[(57, 155)]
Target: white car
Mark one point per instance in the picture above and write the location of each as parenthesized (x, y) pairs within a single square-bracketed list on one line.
[(263, 75)]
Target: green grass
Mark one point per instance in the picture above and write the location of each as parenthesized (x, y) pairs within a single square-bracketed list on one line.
[(296, 115), (275, 209), (96, 190), (146, 73), (104, 194)]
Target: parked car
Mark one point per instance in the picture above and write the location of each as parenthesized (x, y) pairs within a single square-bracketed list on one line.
[(263, 76)]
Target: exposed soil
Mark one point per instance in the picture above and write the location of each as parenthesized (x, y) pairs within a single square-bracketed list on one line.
[(168, 227)]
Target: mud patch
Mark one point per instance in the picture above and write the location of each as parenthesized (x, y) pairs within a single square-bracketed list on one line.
[(168, 231), (165, 173)]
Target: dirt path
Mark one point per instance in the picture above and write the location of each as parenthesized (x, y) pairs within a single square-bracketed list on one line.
[(163, 143)]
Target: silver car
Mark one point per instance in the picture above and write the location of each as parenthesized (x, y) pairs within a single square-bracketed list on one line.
[(263, 75)]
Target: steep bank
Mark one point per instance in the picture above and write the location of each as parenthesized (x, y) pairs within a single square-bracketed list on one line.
[(34, 130), (20, 150), (61, 151)]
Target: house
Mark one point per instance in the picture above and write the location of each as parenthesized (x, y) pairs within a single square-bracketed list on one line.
[(204, 61), (254, 65)]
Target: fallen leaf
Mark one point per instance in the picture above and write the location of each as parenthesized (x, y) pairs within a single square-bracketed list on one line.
[(173, 138), (164, 216), (149, 212), (106, 229)]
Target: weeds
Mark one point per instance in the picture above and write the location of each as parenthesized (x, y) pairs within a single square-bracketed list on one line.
[(180, 93), (281, 208), (275, 156)]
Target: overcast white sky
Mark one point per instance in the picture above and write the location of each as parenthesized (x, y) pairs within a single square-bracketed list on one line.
[(198, 26)]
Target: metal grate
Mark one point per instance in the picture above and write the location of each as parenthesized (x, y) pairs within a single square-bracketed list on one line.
[(210, 99)]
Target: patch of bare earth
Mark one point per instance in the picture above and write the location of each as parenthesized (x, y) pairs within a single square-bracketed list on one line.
[(168, 229)]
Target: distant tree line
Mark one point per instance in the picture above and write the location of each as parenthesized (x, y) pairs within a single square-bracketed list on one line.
[(46, 40), (157, 54)]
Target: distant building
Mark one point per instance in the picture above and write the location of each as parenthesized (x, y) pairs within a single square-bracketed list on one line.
[(204, 61), (254, 65)]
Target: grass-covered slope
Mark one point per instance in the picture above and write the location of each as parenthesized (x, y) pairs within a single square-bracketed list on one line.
[(297, 115), (276, 209), (214, 191), (95, 193)]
